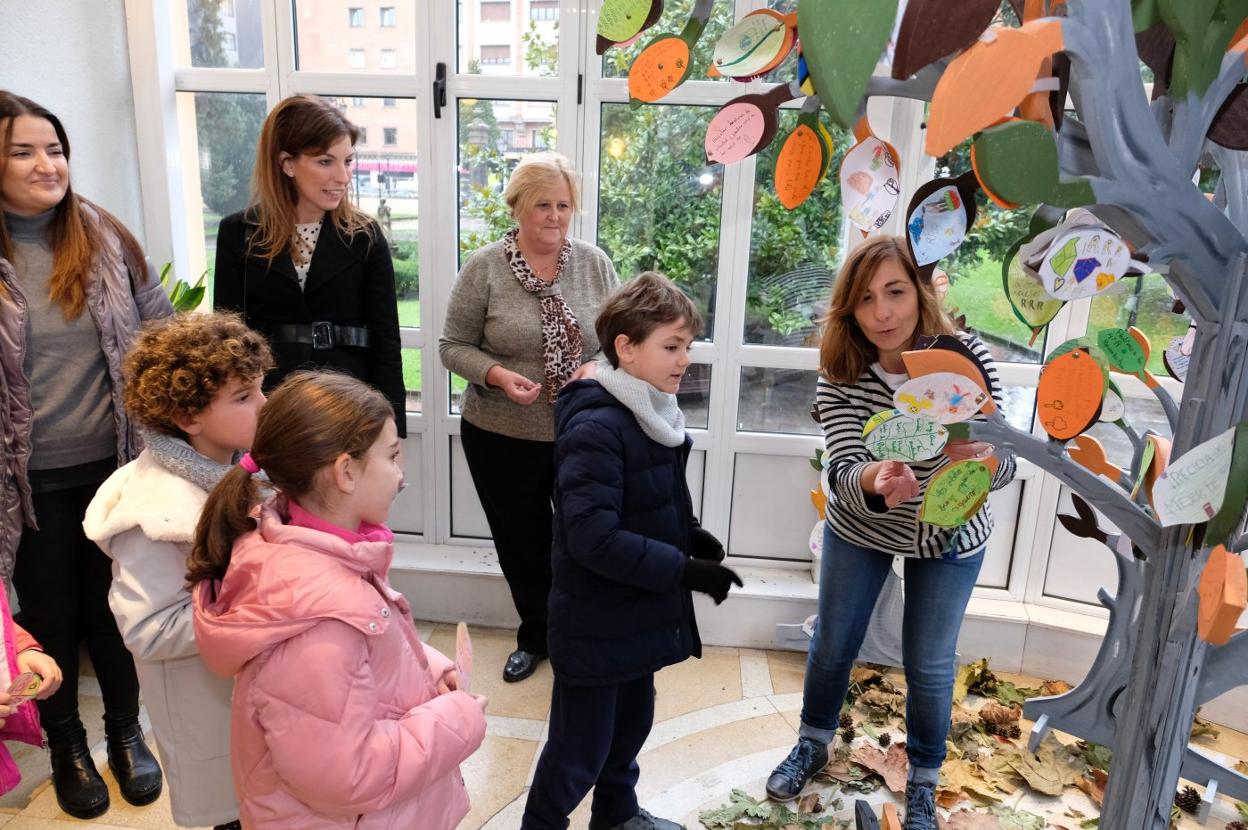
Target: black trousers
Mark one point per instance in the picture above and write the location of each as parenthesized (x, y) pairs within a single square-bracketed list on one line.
[(515, 480), (62, 580), (595, 735)]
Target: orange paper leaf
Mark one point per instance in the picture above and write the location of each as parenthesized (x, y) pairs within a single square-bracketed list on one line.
[(799, 166), (659, 69), (988, 80), (1223, 595), (1069, 394)]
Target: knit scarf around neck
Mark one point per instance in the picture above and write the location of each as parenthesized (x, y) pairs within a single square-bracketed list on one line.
[(180, 458), (656, 412)]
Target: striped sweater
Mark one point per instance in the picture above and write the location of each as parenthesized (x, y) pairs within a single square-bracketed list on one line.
[(864, 519)]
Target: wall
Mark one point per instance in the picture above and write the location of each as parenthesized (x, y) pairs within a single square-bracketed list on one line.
[(71, 56)]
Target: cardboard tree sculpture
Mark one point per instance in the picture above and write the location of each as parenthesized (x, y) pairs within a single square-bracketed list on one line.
[(1112, 184)]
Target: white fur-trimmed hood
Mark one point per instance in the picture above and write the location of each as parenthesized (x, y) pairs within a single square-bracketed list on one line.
[(144, 494)]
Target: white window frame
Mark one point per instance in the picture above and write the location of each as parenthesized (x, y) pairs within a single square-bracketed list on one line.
[(157, 80)]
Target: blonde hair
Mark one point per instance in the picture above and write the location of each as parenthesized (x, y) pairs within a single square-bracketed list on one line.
[(299, 125), (536, 173), (845, 352)]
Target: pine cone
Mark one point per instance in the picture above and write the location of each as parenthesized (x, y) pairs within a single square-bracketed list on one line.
[(885, 739), (1237, 825), (847, 735), (847, 720), (1013, 731), (1187, 799)]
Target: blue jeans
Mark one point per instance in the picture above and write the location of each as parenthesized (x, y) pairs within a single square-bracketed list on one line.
[(936, 594)]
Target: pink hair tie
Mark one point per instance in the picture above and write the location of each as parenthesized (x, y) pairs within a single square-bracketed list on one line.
[(249, 464)]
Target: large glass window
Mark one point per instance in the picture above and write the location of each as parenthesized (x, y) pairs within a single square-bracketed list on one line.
[(496, 37), (777, 400), (659, 200), (794, 254), (220, 34), (617, 60), (493, 135), (324, 44), (1147, 304), (220, 130)]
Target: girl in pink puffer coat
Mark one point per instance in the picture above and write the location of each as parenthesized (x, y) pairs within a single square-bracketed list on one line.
[(341, 717)]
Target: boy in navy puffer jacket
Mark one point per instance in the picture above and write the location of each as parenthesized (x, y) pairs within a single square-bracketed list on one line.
[(627, 552)]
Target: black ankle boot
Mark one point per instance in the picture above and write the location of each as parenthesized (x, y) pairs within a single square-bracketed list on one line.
[(80, 791), (138, 774), (233, 825)]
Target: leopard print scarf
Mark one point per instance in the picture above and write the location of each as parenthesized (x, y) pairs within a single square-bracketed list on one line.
[(561, 333)]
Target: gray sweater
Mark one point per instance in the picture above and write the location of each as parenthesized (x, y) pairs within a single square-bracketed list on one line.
[(70, 389), (493, 321)]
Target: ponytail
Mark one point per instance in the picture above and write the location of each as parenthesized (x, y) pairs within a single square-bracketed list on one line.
[(225, 517)]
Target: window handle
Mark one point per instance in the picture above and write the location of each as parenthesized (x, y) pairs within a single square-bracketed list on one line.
[(439, 90)]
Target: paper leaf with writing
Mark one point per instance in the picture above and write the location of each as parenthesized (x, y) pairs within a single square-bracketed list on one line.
[(892, 436), (1068, 396), (842, 41), (1190, 490), (1050, 769), (955, 494), (623, 20), (756, 44), (1030, 302), (1084, 262), (1123, 350), (870, 183), (745, 125), (661, 67), (802, 160), (463, 657), (947, 353), (1176, 358), (944, 397), (890, 765)]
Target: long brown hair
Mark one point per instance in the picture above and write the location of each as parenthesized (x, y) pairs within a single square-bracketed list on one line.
[(845, 351), (299, 125), (310, 420), (75, 239)]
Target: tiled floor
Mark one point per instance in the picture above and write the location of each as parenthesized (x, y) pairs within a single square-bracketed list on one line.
[(721, 722)]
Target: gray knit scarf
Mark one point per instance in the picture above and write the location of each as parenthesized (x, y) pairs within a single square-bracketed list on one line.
[(656, 412), (179, 458)]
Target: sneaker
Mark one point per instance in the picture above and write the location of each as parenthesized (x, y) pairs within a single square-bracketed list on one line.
[(920, 806), (642, 821), (787, 780)]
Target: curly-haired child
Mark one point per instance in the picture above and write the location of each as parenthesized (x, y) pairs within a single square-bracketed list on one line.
[(193, 382)]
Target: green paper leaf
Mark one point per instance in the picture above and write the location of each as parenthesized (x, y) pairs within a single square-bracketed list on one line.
[(956, 493), (842, 41), (1202, 32), (619, 20), (1028, 299), (1122, 350), (1017, 161), (1226, 520)]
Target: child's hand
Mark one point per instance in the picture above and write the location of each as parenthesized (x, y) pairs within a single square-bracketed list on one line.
[(709, 578), (7, 706), (41, 664), (515, 386), (449, 682), (481, 700)]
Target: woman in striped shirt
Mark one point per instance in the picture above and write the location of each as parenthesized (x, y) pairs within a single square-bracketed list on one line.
[(879, 308)]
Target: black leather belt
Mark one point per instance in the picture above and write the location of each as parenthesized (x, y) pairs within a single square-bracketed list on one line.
[(321, 335)]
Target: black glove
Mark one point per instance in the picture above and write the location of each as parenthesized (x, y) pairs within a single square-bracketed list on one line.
[(709, 578), (703, 545)]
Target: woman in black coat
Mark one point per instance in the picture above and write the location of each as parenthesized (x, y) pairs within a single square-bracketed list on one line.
[(305, 266)]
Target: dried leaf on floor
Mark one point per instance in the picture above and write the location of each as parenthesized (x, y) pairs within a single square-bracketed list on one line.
[(810, 803), (1243, 810), (969, 820), (968, 676), (1094, 783), (1018, 819), (996, 713), (1202, 728), (879, 704), (741, 808), (1095, 755), (996, 770), (1050, 769), (1049, 688), (891, 765), (1241, 766), (966, 778)]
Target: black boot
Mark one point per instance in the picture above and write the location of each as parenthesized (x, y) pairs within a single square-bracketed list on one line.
[(138, 774), (80, 791), (233, 825)]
